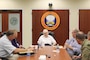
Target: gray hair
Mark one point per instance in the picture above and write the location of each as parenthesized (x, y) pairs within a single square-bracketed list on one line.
[(76, 30), (10, 32)]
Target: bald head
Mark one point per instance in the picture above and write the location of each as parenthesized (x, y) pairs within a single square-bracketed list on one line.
[(80, 36), (45, 32)]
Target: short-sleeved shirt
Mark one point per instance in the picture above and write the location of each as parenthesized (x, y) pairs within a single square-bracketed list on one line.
[(46, 40), (76, 47), (6, 47)]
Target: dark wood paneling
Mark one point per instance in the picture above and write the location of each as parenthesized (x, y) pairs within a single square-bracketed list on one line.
[(61, 33), (84, 20), (5, 22)]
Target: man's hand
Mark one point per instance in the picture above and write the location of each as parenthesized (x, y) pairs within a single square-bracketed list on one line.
[(68, 46), (76, 57)]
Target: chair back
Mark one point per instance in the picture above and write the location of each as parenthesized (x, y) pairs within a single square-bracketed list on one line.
[(3, 33)]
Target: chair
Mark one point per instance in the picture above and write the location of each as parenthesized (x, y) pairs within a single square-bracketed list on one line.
[(2, 34), (1, 58), (85, 36)]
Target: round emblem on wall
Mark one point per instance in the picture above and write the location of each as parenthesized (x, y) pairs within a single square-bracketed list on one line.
[(50, 20), (13, 21)]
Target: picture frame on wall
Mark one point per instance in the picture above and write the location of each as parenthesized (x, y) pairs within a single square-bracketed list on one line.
[(14, 21), (0, 22)]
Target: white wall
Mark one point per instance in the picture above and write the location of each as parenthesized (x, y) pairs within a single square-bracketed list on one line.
[(27, 5)]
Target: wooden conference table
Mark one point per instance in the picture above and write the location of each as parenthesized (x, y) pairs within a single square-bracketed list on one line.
[(49, 51)]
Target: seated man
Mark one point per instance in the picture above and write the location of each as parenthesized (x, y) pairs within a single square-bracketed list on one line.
[(46, 39), (86, 41), (14, 41), (7, 50), (71, 45), (85, 49)]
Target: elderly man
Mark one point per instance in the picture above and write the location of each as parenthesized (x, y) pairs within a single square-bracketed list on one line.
[(14, 41), (46, 39), (71, 45), (6, 47)]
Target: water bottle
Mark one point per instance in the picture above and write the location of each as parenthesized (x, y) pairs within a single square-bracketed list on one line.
[(28, 52), (57, 48)]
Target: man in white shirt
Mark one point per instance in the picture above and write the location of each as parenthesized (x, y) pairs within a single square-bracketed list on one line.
[(46, 39), (6, 47)]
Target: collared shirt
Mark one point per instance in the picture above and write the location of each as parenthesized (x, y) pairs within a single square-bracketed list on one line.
[(6, 47), (76, 47), (46, 40)]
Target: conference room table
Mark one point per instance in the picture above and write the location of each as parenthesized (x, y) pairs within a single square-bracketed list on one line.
[(50, 53)]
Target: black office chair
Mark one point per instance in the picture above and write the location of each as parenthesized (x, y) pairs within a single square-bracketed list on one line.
[(85, 36), (4, 58), (2, 34)]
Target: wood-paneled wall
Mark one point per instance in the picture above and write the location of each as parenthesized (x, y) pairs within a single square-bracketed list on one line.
[(61, 33)]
